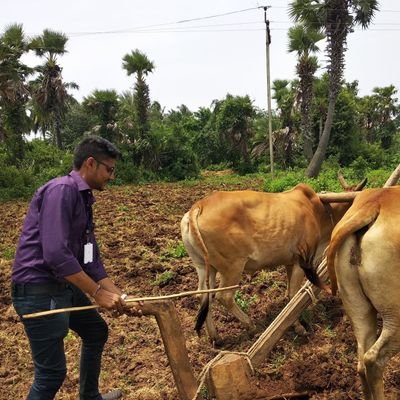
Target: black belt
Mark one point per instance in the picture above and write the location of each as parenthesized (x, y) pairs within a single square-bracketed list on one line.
[(29, 289)]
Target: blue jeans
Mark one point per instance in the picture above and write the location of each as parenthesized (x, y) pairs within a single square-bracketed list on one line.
[(46, 337)]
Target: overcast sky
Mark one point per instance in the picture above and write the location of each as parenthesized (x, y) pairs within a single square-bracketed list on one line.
[(199, 60)]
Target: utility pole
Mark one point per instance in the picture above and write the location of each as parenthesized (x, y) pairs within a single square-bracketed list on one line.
[(267, 60)]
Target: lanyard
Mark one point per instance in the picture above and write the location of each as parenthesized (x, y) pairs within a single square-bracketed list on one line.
[(89, 218)]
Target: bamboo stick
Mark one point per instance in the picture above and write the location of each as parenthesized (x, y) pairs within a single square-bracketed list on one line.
[(129, 300)]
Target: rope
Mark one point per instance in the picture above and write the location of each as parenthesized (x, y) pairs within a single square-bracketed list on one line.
[(310, 292), (207, 367)]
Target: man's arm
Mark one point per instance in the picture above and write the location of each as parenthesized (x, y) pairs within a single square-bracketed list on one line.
[(105, 296), (109, 285)]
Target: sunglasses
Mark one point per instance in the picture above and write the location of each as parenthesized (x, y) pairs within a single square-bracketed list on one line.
[(110, 170)]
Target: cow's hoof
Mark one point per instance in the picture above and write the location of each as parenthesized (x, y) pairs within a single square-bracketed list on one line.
[(300, 330), (252, 330), (217, 343)]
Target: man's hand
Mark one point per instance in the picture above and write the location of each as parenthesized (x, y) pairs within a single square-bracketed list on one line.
[(134, 308), (109, 300)]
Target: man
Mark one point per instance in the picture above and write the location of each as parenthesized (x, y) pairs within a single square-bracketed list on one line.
[(57, 263)]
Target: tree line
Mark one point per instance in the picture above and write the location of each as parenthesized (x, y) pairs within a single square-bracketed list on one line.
[(316, 117)]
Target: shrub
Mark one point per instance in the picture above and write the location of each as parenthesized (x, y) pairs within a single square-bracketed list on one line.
[(15, 183), (42, 162)]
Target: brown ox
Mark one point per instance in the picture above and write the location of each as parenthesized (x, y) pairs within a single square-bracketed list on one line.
[(233, 232), (364, 257)]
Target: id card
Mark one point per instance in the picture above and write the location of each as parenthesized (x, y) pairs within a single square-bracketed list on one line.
[(88, 253)]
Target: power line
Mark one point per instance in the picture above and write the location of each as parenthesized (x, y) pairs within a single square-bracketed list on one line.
[(163, 27), (217, 15), (339, 9), (166, 23)]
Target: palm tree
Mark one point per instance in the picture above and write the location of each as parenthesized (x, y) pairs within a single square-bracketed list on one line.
[(104, 106), (137, 63), (378, 114), (302, 40), (14, 93), (50, 93), (284, 93), (337, 18)]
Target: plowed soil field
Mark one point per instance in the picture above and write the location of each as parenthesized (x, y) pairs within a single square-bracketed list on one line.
[(138, 232)]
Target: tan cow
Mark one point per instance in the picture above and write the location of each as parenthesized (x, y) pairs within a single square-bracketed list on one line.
[(364, 257), (233, 232)]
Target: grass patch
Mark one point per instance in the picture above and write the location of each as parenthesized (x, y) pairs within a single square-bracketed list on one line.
[(173, 251), (164, 278), (244, 301), (8, 253)]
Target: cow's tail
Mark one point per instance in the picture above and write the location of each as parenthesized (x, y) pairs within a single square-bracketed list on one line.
[(202, 314), (306, 262), (351, 223), (194, 213)]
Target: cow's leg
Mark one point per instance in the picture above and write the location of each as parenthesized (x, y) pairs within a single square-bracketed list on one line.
[(295, 277), (379, 279), (227, 299), (359, 309), (379, 354), (210, 326), (201, 272)]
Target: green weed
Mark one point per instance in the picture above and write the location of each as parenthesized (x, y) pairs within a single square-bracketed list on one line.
[(164, 278), (173, 251), (329, 332), (8, 253), (123, 208), (245, 301)]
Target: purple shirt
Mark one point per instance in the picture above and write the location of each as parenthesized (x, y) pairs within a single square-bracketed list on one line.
[(54, 233)]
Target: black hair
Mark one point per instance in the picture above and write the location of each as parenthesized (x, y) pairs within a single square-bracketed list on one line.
[(96, 147)]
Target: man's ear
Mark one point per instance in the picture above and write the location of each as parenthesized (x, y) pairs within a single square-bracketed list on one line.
[(90, 162)]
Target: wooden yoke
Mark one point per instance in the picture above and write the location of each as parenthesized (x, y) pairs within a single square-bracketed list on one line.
[(174, 344), (337, 197)]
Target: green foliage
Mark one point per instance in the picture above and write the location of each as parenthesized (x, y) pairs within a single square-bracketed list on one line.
[(219, 167), (234, 123), (204, 392), (283, 182), (326, 181), (378, 116), (177, 159), (102, 106), (164, 278), (42, 162), (377, 178), (78, 120), (14, 92), (346, 138), (244, 301), (49, 93), (8, 253), (329, 332), (374, 155), (127, 172), (174, 251), (15, 183), (307, 317)]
